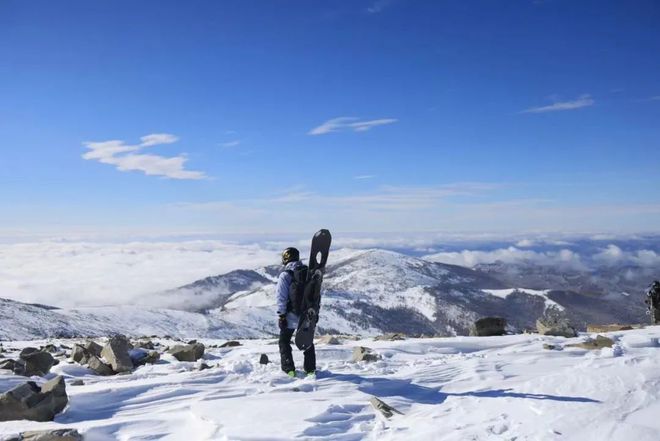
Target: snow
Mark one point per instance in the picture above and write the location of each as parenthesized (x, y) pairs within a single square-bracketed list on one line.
[(504, 293), (488, 388)]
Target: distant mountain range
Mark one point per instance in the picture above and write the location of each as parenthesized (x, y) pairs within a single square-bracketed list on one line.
[(365, 292)]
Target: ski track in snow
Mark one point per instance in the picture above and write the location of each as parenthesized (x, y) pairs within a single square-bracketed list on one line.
[(462, 388)]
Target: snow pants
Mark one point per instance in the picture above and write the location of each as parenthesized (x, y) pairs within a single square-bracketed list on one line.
[(286, 357)]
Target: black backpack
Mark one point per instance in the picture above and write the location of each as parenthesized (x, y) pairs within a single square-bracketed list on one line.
[(297, 288)]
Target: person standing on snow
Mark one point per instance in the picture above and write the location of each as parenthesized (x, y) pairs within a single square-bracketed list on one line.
[(653, 302), (288, 319)]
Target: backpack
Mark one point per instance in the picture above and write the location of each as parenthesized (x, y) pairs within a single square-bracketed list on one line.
[(297, 288)]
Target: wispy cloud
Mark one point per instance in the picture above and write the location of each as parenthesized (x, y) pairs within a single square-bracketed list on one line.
[(231, 144), (582, 101), (347, 123), (362, 177), (378, 6), (128, 157)]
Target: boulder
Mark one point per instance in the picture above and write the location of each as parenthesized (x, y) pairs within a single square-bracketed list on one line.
[(191, 352), (384, 408), (329, 340), (35, 363), (145, 344), (599, 343), (27, 351), (52, 435), (116, 353), (204, 366), (390, 337), (554, 322), (360, 353), (231, 344), (488, 326), (94, 348), (264, 359), (8, 364), (28, 401), (79, 354), (98, 366)]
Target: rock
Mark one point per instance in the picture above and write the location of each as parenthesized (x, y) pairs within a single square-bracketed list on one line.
[(191, 342), (231, 344), (8, 364), (599, 343), (610, 328), (264, 359), (329, 340), (79, 354), (390, 337), (145, 344), (52, 435), (361, 353), (28, 401), (116, 353), (552, 347), (98, 366), (191, 352), (384, 408), (36, 363), (554, 322), (488, 326), (94, 348), (77, 382), (27, 351), (204, 366)]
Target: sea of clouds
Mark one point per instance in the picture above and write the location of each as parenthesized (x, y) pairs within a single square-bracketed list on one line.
[(85, 273)]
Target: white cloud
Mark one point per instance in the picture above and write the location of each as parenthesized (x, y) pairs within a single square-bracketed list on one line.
[(346, 123), (231, 144), (470, 258), (127, 157), (88, 273), (362, 177), (582, 101)]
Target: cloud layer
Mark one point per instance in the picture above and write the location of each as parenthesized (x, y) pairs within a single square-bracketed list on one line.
[(347, 123), (582, 101), (129, 157)]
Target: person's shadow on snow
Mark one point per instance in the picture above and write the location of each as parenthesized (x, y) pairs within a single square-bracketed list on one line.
[(387, 387)]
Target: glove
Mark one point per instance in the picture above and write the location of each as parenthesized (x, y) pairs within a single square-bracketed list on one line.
[(282, 322)]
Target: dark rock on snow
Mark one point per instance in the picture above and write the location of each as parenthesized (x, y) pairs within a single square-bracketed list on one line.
[(28, 401), (116, 353), (190, 352), (231, 344), (361, 353), (488, 326), (264, 359)]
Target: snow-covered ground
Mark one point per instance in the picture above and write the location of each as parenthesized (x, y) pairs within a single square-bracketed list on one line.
[(462, 388)]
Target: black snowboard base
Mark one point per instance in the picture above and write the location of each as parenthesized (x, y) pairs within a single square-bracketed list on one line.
[(318, 257)]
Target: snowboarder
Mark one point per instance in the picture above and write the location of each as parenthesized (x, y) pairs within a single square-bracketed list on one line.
[(290, 286), (653, 302)]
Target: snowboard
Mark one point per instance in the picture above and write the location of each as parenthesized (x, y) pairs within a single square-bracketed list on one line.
[(311, 303)]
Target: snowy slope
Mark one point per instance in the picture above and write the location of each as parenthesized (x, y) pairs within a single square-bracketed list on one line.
[(493, 388)]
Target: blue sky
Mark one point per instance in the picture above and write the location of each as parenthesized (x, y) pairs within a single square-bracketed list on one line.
[(363, 116)]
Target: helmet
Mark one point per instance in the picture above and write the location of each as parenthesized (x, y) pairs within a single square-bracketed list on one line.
[(290, 255)]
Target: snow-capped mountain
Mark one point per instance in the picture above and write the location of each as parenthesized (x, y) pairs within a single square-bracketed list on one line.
[(373, 291), (365, 293)]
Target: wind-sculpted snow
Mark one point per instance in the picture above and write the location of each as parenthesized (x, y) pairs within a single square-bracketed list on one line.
[(447, 389)]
